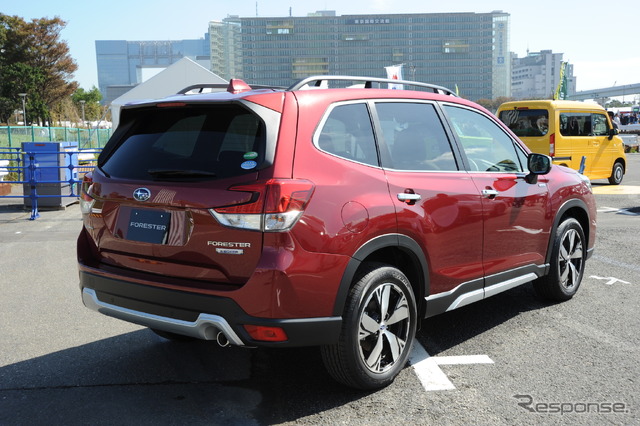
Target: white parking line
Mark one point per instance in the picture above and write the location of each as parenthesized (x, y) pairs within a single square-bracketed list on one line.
[(610, 280), (628, 212), (463, 360), (430, 375), (607, 210), (428, 369)]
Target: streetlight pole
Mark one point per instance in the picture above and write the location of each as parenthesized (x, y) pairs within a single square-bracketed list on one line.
[(24, 107), (84, 124)]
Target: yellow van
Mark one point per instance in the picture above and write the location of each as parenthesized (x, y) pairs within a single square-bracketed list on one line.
[(570, 132)]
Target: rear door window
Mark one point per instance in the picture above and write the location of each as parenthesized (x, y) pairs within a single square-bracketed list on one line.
[(583, 124), (526, 122), (347, 132), (414, 137), (189, 142)]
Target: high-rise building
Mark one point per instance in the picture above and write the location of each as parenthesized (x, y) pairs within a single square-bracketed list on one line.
[(123, 64), (537, 75), (226, 47), (464, 51)]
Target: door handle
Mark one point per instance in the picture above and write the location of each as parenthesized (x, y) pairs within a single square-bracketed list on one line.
[(409, 198), (489, 193)]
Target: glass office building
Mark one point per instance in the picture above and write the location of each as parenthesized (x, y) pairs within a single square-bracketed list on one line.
[(123, 64), (467, 51)]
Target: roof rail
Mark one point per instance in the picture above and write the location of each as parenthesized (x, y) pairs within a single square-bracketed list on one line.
[(317, 81), (200, 87)]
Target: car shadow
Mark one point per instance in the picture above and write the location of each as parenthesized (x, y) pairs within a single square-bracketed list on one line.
[(139, 375), (448, 330)]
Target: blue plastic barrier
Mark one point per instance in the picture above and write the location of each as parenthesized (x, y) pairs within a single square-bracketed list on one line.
[(48, 172)]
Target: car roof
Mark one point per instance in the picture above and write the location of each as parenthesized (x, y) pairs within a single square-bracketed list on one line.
[(549, 103)]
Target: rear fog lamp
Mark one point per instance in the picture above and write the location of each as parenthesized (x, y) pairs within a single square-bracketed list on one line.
[(266, 334)]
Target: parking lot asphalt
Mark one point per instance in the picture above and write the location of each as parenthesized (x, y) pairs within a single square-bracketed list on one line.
[(509, 360)]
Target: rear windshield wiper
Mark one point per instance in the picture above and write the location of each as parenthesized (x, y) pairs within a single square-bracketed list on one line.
[(180, 173)]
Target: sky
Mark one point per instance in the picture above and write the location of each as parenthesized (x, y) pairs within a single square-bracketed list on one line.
[(599, 38)]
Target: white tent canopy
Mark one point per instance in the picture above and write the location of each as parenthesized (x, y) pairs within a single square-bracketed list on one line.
[(171, 80)]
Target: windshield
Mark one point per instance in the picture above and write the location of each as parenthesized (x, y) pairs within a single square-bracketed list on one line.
[(187, 142), (526, 122)]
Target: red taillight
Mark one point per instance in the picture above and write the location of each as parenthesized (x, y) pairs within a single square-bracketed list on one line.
[(276, 205), (284, 195), (86, 200), (266, 334), (552, 145), (88, 204)]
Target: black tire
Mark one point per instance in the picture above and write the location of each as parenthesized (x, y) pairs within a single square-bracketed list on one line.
[(173, 336), (378, 329), (567, 263), (617, 173)]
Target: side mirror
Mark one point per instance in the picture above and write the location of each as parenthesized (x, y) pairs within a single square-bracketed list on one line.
[(612, 133), (538, 164)]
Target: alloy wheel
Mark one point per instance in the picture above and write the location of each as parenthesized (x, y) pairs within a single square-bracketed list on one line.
[(571, 259), (384, 328)]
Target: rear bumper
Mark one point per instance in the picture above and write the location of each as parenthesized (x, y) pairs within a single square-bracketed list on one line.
[(205, 327), (196, 315)]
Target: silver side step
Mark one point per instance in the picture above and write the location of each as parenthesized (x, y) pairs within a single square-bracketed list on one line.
[(469, 297), (206, 327)]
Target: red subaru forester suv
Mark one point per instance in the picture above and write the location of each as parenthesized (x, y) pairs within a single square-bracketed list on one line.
[(329, 214)]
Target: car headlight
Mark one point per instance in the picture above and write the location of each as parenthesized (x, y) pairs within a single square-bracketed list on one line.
[(586, 181)]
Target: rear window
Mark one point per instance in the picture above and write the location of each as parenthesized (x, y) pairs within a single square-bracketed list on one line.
[(526, 122), (189, 142)]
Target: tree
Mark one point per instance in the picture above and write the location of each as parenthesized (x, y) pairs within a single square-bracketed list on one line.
[(615, 103), (34, 61), (493, 104), (92, 108)]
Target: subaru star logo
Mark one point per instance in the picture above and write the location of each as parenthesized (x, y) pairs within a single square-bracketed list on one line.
[(141, 194)]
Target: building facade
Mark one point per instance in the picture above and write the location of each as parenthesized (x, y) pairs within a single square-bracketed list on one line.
[(537, 75), (123, 64), (464, 51), (226, 48)]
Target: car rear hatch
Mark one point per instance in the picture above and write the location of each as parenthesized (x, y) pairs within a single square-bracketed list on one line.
[(161, 177)]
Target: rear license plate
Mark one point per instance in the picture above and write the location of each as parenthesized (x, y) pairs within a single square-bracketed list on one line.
[(149, 226)]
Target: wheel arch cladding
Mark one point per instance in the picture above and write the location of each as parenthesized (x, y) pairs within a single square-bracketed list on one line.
[(576, 209), (396, 250)]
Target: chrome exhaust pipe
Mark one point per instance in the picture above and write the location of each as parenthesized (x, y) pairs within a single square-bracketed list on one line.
[(222, 340)]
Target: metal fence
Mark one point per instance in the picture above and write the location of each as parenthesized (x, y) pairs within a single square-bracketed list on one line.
[(14, 136), (47, 175)]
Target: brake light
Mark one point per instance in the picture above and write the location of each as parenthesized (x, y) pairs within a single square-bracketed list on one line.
[(552, 145), (276, 205), (171, 104)]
